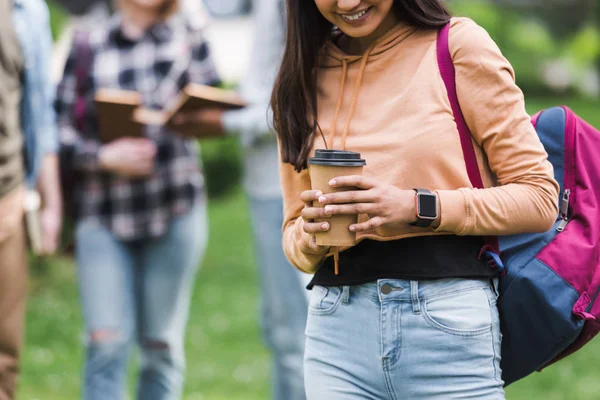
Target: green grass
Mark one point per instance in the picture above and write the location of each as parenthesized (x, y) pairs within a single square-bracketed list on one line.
[(226, 360)]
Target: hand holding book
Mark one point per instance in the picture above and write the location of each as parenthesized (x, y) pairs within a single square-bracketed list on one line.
[(131, 157), (196, 112), (203, 122)]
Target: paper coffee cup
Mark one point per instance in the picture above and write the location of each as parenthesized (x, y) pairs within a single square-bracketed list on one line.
[(323, 167)]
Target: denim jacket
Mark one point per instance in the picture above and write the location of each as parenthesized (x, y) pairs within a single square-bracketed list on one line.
[(31, 19)]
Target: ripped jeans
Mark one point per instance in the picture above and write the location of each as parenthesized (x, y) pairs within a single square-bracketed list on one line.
[(138, 292)]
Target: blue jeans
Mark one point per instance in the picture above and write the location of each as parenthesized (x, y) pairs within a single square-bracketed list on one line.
[(283, 301), (138, 292), (400, 339)]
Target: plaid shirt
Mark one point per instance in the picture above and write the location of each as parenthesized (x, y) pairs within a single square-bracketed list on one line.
[(157, 65)]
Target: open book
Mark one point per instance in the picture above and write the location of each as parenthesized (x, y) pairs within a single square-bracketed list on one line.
[(120, 112), (196, 97), (116, 111)]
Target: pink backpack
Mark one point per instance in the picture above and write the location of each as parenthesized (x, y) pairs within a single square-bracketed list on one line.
[(549, 306)]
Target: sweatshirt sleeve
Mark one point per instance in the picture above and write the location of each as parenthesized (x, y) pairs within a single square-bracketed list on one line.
[(526, 196), (295, 240)]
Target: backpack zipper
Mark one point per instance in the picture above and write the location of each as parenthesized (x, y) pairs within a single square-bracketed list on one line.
[(564, 211), (569, 184)]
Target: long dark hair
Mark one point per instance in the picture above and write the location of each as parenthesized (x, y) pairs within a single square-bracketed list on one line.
[(294, 99)]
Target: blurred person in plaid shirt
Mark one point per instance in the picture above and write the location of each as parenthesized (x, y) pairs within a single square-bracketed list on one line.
[(139, 203)]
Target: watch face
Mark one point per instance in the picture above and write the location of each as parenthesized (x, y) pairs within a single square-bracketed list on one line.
[(427, 206)]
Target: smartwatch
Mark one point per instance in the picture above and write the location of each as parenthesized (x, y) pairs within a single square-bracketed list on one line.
[(427, 209)]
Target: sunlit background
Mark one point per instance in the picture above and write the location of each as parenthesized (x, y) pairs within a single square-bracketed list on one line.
[(555, 49)]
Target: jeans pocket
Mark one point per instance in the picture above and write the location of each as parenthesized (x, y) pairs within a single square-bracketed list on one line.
[(324, 300), (464, 313)]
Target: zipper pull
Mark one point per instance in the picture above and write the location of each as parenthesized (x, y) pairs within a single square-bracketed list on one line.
[(564, 203), (564, 211), (563, 224)]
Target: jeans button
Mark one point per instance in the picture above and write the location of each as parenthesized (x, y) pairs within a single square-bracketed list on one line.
[(386, 289)]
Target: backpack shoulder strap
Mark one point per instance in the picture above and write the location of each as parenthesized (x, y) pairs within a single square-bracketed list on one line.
[(448, 72), (84, 63)]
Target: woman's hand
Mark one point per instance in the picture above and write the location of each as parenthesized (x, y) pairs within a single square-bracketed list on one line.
[(387, 206), (130, 157), (309, 214), (51, 224), (199, 124)]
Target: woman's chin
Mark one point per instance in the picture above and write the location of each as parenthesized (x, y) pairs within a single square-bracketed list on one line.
[(358, 32)]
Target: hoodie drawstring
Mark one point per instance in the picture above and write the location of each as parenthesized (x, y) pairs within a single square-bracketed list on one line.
[(338, 107), (339, 103), (359, 79), (335, 251)]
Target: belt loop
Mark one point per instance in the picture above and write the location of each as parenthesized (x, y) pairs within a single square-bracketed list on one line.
[(345, 295), (414, 295), (496, 286)]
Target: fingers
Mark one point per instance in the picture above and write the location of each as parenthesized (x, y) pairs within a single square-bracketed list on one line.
[(367, 226), (351, 209), (312, 213), (315, 227), (357, 181), (142, 171), (141, 151), (353, 196), (139, 169), (137, 150), (133, 141), (309, 196), (135, 145), (145, 148), (315, 247)]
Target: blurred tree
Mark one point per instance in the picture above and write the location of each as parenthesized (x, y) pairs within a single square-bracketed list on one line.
[(563, 17), (552, 44)]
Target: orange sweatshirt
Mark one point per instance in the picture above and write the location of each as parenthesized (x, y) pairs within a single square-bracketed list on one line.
[(403, 125)]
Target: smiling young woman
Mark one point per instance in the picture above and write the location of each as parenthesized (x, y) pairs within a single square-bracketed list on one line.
[(364, 22), (412, 313)]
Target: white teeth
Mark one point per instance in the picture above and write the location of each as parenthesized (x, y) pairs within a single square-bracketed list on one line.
[(355, 16)]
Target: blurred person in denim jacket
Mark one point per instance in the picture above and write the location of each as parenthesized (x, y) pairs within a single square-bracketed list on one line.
[(139, 203), (284, 301), (28, 160)]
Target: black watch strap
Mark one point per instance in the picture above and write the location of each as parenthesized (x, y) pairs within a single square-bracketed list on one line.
[(425, 221)]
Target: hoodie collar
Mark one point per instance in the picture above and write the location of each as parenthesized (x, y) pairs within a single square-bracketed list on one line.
[(333, 55)]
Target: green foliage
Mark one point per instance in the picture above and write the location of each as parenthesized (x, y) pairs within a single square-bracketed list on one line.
[(222, 161), (531, 36), (57, 18), (527, 42), (584, 48), (482, 11)]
